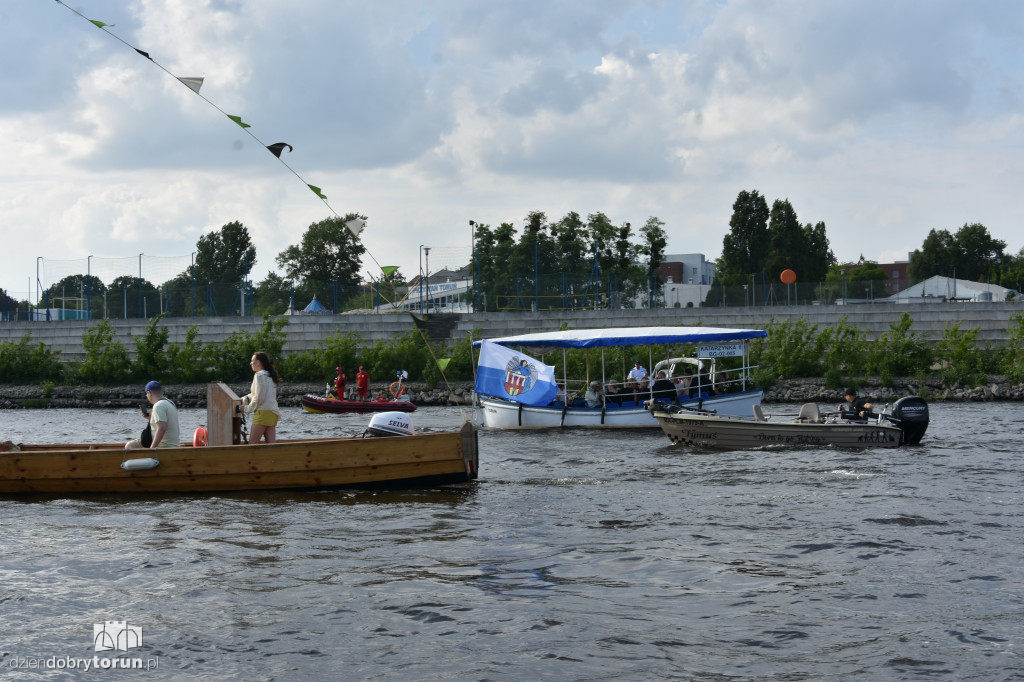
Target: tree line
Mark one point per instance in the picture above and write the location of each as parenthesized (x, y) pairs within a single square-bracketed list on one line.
[(571, 257), (572, 261), (766, 242)]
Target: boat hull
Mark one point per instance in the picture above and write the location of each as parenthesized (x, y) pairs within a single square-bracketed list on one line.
[(502, 414), (319, 404), (315, 464), (710, 431)]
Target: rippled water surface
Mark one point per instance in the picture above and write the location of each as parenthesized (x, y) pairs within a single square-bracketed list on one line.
[(577, 555)]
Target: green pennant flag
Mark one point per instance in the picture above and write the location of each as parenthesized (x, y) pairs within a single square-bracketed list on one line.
[(316, 191), (442, 363), (99, 24), (389, 270), (238, 120)]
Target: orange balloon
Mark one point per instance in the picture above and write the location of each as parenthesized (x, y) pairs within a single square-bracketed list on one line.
[(788, 276)]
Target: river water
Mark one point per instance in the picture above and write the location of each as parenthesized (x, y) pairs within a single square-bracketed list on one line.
[(577, 555)]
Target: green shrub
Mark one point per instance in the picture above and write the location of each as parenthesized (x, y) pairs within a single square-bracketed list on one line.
[(106, 361), (793, 348), (898, 353), (763, 378), (408, 352), (187, 363), (844, 348), (963, 362), (229, 360), (1012, 364), (23, 361), (150, 357)]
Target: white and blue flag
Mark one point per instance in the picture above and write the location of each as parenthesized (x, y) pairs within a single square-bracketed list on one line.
[(505, 373)]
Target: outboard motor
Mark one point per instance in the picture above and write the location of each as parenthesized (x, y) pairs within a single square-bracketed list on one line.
[(391, 424), (910, 414)]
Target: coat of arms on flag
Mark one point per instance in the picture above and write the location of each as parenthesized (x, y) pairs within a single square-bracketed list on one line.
[(519, 376)]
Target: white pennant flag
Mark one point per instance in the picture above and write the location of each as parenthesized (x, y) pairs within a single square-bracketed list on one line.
[(194, 83)]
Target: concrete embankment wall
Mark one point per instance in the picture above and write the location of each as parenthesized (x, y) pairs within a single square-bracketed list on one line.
[(304, 333)]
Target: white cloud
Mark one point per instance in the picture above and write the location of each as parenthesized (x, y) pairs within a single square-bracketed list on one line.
[(883, 120)]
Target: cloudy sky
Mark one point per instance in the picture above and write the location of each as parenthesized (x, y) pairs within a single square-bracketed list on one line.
[(882, 119)]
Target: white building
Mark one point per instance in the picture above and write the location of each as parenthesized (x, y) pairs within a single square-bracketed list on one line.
[(686, 278), (444, 291)]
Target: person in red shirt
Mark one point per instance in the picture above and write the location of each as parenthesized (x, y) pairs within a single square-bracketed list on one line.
[(362, 384), (339, 383)]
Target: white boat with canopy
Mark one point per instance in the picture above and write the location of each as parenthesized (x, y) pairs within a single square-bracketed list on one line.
[(713, 388)]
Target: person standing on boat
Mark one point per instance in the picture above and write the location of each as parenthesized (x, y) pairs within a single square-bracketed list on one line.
[(362, 384), (163, 420), (638, 373), (339, 383), (593, 396), (262, 399), (855, 408)]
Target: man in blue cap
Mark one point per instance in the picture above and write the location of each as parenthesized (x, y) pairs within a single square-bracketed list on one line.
[(163, 420)]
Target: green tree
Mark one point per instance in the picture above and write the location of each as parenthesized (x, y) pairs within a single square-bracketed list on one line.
[(972, 253), (855, 280), (655, 240), (1009, 272), (816, 257), (327, 253), (77, 292), (977, 252), (226, 255), (785, 240), (126, 297), (572, 249), (746, 246), (272, 295)]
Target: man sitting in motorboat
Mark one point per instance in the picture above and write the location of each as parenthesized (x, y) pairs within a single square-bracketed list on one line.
[(855, 408), (594, 397)]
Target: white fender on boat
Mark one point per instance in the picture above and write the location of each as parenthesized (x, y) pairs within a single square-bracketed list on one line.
[(140, 464)]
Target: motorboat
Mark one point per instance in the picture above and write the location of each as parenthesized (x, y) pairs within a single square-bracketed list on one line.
[(904, 424), (320, 404)]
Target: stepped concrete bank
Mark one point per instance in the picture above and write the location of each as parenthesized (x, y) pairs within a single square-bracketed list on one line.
[(305, 332), (461, 393)]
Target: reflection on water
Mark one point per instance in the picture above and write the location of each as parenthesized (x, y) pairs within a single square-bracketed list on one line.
[(577, 555)]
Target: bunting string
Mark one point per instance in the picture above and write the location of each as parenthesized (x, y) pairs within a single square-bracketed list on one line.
[(194, 83)]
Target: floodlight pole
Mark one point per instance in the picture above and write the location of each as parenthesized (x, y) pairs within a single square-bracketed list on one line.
[(140, 285), (88, 286)]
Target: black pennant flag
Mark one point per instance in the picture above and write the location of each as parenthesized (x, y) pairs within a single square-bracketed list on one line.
[(278, 147)]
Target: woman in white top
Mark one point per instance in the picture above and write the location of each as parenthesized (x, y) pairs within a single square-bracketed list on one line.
[(262, 399)]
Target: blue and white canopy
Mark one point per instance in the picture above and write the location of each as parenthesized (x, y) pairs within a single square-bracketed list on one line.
[(626, 336)]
